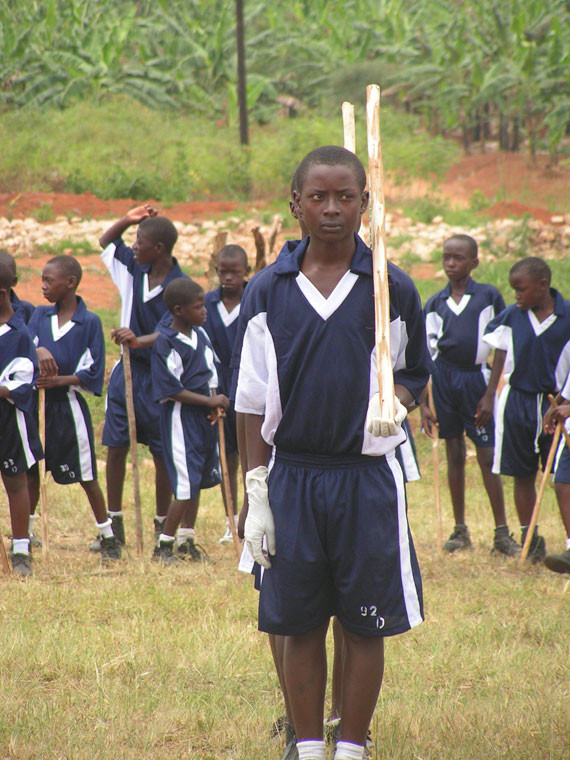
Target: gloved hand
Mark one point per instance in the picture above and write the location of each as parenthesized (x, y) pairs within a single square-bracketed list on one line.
[(259, 521), (384, 427)]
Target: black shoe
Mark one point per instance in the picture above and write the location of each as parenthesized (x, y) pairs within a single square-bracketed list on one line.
[(194, 552), (118, 527), (158, 526), (458, 540), (291, 752), (559, 563), (110, 549), (537, 548), (164, 553), (35, 542), (504, 543), (22, 564)]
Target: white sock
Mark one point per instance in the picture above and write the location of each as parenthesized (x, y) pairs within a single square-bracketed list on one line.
[(20, 545), (116, 514), (160, 519), (568, 542), (183, 534), (164, 539), (313, 749), (348, 751), (104, 528)]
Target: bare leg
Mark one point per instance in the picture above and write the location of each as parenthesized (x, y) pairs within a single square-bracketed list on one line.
[(190, 513), (18, 498), (563, 496), (33, 478), (179, 509), (233, 463), (525, 497), (163, 490), (455, 450), (277, 644), (305, 669), (363, 672), (96, 500), (115, 476), (493, 485), (338, 667)]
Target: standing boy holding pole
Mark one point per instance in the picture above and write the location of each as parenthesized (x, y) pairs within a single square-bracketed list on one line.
[(326, 493), (560, 563)]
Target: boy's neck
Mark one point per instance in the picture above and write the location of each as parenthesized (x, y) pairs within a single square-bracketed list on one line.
[(232, 298), (182, 327), (330, 255), (160, 268), (545, 308), (66, 307), (6, 311), (457, 287)]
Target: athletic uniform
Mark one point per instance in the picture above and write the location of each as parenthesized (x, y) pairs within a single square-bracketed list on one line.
[(190, 441), (562, 461), (455, 338), (26, 307), (141, 310), (308, 364), (78, 349), (537, 363), (20, 446)]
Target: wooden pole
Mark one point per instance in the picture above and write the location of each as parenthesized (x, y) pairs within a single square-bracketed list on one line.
[(348, 126), (379, 257), (545, 474), (42, 472), (6, 569), (241, 75), (133, 445), (435, 467), (226, 487), (564, 431)]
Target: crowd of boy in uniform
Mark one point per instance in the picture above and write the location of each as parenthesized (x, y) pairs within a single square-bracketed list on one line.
[(290, 364)]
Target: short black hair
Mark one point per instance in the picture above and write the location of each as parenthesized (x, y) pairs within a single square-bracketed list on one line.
[(160, 230), (6, 275), (468, 240), (68, 265), (330, 155), (536, 268), (181, 292), (9, 260), (233, 252)]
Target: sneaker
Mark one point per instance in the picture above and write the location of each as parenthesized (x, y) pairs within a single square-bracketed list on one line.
[(537, 548), (559, 563), (158, 526), (504, 543), (35, 542), (459, 539), (227, 538), (110, 549), (118, 527), (22, 564), (291, 752), (164, 553), (194, 552)]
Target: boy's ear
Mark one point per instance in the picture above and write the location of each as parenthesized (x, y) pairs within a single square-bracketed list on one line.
[(364, 201), (72, 282), (475, 262), (15, 282), (296, 198), (160, 248), (176, 310)]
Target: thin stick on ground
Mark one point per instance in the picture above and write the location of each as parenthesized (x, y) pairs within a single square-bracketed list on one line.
[(435, 467), (42, 472), (379, 257), (6, 569), (133, 446), (348, 126), (226, 487), (543, 481)]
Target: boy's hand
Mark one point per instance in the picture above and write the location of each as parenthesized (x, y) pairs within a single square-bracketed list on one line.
[(484, 411), (49, 382), (125, 336), (385, 428), (218, 405), (259, 521), (137, 214), (48, 365), (429, 422)]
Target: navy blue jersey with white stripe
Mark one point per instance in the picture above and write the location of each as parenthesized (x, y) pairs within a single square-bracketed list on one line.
[(221, 327), (26, 307), (141, 306), (308, 363), (77, 346), (180, 362), (538, 353), (18, 361), (455, 330)]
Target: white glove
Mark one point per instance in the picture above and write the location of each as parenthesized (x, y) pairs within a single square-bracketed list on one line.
[(259, 521), (384, 427)]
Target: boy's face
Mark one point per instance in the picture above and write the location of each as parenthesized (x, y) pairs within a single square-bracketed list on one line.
[(145, 249), (529, 292), (458, 261), (192, 314), (55, 284), (231, 271), (331, 202)]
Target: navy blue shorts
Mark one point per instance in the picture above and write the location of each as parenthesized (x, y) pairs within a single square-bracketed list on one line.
[(520, 443), (230, 431), (343, 547), (20, 446), (190, 448), (147, 413), (562, 463), (456, 393), (70, 448)]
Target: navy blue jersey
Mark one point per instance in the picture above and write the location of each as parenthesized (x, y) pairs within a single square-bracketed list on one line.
[(25, 306), (308, 363), (77, 346), (221, 327), (538, 353), (141, 307), (182, 363), (18, 361), (455, 330)]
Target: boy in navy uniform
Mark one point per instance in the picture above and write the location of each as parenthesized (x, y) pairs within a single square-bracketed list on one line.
[(333, 506), (141, 274), (560, 563), (17, 303), (534, 336), (463, 387), (20, 446), (223, 307), (183, 372), (71, 354)]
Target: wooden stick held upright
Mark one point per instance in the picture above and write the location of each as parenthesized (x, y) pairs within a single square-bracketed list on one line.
[(564, 431), (133, 445), (379, 257), (435, 466), (226, 487), (348, 126), (6, 569), (42, 472), (545, 474)]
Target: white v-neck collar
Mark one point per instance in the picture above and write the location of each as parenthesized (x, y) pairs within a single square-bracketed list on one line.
[(325, 307), (5, 328), (228, 317), (191, 341), (540, 327), (458, 308), (148, 295), (57, 331)]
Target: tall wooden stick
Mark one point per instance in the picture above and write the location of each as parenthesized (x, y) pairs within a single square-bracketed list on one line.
[(348, 126), (379, 257), (435, 467), (133, 445), (6, 569), (226, 487), (42, 472), (564, 431), (545, 474)]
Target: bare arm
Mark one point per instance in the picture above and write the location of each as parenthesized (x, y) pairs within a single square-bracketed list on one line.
[(134, 216), (486, 404), (258, 451)]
